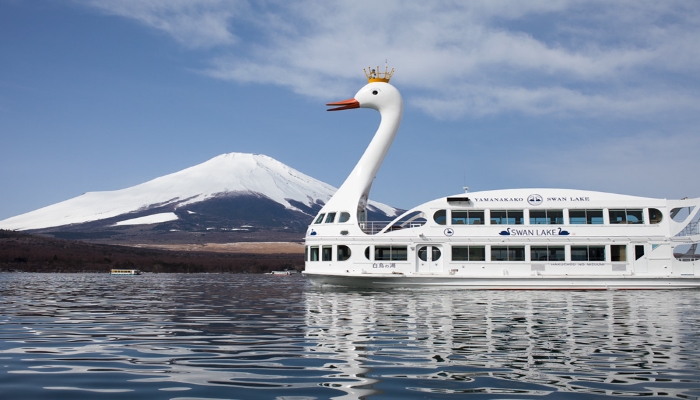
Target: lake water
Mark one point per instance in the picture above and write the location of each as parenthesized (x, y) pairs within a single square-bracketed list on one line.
[(162, 336)]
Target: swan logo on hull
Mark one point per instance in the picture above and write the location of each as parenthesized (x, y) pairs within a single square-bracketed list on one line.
[(534, 199)]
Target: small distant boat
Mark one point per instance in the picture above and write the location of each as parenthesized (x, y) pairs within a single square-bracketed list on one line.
[(125, 272), (285, 272)]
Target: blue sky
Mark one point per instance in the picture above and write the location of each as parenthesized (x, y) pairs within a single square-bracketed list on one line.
[(103, 95)]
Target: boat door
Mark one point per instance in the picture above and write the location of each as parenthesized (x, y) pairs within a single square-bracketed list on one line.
[(429, 258)]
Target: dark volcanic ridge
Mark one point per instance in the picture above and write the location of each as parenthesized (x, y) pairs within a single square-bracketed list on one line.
[(22, 252)]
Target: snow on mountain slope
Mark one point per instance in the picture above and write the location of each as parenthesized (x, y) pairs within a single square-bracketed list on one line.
[(233, 173)]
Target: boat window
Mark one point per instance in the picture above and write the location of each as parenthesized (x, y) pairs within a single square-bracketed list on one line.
[(320, 218), (344, 217), (440, 217), (618, 252), (474, 217), (581, 217), (638, 251), (547, 253), (343, 252), (330, 218), (436, 253), (313, 255), (468, 253), (327, 253), (306, 253), (547, 217), (687, 252), (507, 253), (367, 253), (655, 216), (681, 213), (587, 253), (390, 253), (423, 253), (626, 216), (399, 253), (506, 217)]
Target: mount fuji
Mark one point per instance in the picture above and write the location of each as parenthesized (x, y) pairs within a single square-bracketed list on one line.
[(235, 192)]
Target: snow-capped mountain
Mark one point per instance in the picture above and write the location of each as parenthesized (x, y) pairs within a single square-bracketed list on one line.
[(226, 192)]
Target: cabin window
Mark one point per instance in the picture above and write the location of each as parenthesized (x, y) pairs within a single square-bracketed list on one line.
[(506, 217), (507, 253), (344, 217), (618, 252), (655, 216), (343, 252), (330, 218), (320, 218), (626, 216), (313, 254), (687, 252), (546, 217), (475, 217), (587, 253), (547, 253), (681, 213), (638, 251), (367, 253), (327, 253), (435, 253), (590, 217), (468, 253), (440, 217), (390, 253)]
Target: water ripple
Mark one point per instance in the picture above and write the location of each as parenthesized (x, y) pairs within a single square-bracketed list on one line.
[(256, 336)]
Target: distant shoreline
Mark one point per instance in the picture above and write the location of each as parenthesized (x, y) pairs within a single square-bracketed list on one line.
[(21, 252), (237, 248)]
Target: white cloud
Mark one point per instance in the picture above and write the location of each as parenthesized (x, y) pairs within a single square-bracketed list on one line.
[(661, 161), (200, 23), (462, 58)]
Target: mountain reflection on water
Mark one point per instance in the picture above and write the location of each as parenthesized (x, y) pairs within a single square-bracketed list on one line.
[(259, 336)]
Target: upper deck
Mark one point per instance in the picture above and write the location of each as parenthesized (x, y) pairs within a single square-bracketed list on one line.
[(537, 213)]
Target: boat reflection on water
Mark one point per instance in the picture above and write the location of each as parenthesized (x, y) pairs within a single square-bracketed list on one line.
[(499, 342)]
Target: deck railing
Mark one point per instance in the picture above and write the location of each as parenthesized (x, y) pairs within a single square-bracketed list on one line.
[(692, 228), (374, 227)]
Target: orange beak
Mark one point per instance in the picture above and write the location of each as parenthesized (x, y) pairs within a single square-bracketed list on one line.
[(343, 105)]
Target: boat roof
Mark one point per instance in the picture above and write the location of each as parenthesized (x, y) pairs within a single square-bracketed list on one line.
[(542, 198)]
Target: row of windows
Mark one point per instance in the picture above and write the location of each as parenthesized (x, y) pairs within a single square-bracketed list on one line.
[(330, 218), (478, 253), (325, 253), (545, 217)]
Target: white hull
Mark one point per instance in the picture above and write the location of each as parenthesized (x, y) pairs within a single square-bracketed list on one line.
[(505, 283)]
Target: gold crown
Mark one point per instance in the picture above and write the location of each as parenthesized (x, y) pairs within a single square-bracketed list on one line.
[(374, 75)]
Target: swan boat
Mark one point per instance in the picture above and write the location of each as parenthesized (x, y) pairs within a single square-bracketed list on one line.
[(534, 238)]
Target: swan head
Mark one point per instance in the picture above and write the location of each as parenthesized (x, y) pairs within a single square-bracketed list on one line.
[(377, 95)]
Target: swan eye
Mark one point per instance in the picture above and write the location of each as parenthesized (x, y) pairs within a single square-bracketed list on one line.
[(375, 92)]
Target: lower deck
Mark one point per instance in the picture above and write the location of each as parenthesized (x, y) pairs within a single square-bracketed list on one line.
[(579, 263)]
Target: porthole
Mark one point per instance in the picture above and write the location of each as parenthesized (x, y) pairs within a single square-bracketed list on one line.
[(343, 252), (655, 216), (440, 217)]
